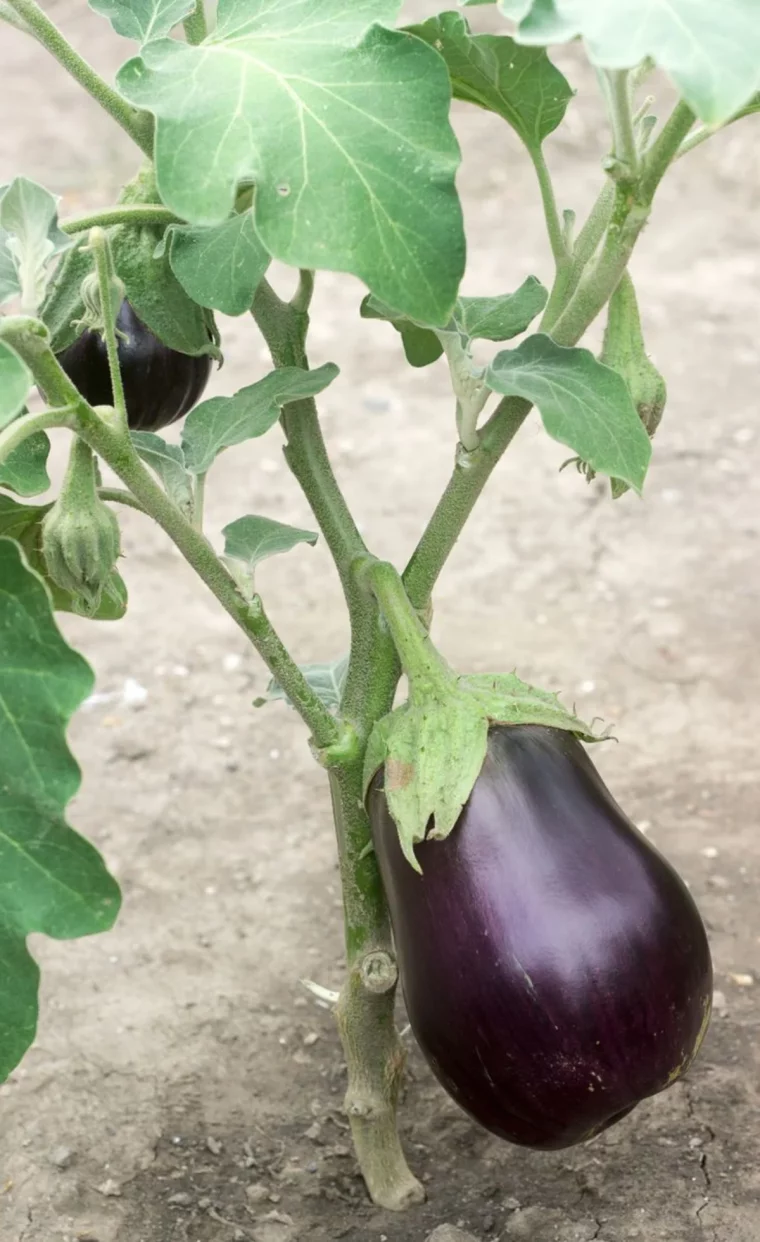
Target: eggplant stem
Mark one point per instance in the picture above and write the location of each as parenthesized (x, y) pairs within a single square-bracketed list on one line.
[(375, 1060)]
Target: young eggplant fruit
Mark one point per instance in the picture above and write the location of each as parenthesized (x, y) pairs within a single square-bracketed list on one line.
[(161, 385), (555, 968)]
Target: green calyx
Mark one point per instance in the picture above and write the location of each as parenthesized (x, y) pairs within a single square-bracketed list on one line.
[(432, 748), (80, 537)]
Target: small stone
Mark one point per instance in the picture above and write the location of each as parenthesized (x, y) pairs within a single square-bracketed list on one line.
[(511, 1204), (62, 1157), (450, 1233), (204, 1204), (741, 981), (310, 1039), (110, 1189), (709, 852), (212, 1144), (695, 1142), (257, 1193), (718, 881), (314, 1132), (180, 1199)]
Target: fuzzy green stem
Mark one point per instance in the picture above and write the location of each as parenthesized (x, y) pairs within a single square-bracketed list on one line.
[(21, 428), (130, 213), (420, 660), (196, 26), (471, 473), (618, 93), (551, 213), (301, 300), (374, 1056), (139, 125), (199, 500), (105, 273), (115, 495)]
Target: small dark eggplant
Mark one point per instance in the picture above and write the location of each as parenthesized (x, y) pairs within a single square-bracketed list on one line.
[(555, 968), (161, 385)]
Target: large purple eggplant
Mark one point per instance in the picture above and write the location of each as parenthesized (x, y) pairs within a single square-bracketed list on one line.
[(555, 968)]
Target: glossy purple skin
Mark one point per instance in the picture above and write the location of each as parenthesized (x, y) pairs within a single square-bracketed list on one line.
[(555, 968), (161, 385)]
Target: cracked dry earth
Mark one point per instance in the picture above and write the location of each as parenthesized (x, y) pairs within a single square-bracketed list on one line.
[(183, 1088)]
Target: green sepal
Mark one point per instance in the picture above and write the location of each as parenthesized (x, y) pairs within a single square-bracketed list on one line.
[(432, 749)]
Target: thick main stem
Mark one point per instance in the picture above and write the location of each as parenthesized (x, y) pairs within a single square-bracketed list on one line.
[(365, 1011)]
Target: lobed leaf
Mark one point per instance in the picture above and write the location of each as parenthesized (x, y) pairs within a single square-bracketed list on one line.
[(251, 539), (222, 422), (29, 239), (143, 20), (221, 267), (501, 318), (517, 83), (582, 403), (711, 50), (51, 879), (341, 123)]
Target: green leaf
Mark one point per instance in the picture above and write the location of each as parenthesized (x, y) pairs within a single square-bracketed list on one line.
[(222, 422), (24, 471), (501, 318), (326, 680), (421, 345), (31, 237), (434, 753), (711, 50), (168, 462), (15, 384), (53, 881), (143, 20), (221, 267), (582, 403), (252, 539), (24, 524), (342, 124), (517, 83)]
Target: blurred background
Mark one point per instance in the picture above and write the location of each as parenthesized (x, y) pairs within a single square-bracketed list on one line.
[(183, 1087)]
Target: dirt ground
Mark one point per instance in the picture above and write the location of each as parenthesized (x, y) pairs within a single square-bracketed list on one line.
[(183, 1086)]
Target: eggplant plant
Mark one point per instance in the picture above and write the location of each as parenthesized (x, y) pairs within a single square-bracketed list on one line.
[(555, 968)]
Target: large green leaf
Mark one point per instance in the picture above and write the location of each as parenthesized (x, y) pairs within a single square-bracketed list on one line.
[(519, 84), (582, 403), (24, 471), (24, 524), (222, 422), (15, 384), (29, 238), (51, 880), (252, 539), (343, 126), (143, 20), (710, 49), (220, 267)]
